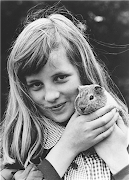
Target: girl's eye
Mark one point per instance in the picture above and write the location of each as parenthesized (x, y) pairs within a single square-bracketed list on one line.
[(36, 86), (60, 78)]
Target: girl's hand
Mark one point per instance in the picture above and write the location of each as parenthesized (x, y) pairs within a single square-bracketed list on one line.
[(30, 173), (7, 174), (83, 132), (113, 149)]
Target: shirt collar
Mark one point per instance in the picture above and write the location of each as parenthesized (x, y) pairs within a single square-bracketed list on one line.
[(52, 133)]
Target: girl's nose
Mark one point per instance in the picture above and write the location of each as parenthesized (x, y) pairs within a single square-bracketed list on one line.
[(51, 95)]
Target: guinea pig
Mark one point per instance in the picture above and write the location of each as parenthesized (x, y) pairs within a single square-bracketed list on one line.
[(93, 97)]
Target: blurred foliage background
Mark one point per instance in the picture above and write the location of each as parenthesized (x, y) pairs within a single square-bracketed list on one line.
[(107, 29)]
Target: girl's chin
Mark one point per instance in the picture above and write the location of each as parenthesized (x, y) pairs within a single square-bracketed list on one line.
[(63, 122), (62, 119)]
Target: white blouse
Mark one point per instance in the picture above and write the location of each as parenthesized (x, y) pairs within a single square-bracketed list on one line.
[(86, 166)]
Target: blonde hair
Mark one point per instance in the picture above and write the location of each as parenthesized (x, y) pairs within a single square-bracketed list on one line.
[(29, 54)]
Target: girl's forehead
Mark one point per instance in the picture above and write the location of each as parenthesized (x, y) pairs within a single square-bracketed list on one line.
[(58, 61), (58, 57)]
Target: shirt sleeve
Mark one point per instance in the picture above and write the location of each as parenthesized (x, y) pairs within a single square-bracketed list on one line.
[(123, 174), (49, 172)]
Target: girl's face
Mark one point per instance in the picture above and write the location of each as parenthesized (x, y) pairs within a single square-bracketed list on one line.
[(54, 88)]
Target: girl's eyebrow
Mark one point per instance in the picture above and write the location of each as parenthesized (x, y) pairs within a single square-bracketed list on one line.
[(31, 81), (60, 73)]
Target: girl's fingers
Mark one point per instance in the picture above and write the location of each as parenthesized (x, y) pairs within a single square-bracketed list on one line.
[(35, 175), (100, 112), (105, 128), (123, 128), (105, 131), (120, 123), (104, 120), (104, 135), (104, 110), (19, 175), (7, 173)]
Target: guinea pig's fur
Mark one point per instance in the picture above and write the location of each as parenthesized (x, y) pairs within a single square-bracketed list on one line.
[(93, 97)]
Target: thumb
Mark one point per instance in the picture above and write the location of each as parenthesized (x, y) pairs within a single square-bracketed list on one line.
[(74, 116), (120, 123), (124, 128), (22, 174)]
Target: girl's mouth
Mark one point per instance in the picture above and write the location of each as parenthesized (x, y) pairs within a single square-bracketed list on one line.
[(57, 107)]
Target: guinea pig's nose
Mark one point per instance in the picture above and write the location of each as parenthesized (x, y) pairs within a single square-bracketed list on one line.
[(82, 109)]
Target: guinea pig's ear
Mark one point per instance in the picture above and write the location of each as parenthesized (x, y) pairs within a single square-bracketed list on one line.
[(80, 88)]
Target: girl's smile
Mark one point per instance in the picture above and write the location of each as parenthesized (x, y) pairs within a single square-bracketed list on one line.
[(54, 88), (57, 107)]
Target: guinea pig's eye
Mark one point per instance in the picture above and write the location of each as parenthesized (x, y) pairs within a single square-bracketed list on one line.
[(98, 88), (91, 97)]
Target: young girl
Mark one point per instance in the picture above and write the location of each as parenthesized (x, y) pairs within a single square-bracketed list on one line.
[(42, 136)]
